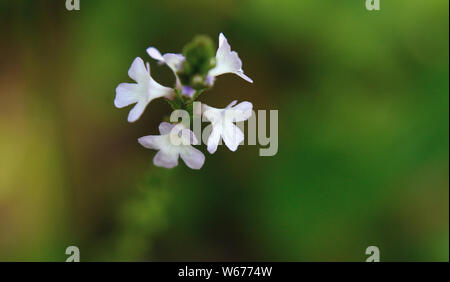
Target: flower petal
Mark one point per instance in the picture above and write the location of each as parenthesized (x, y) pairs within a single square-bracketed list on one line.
[(165, 159), (244, 106), (222, 39), (191, 139), (213, 139), (173, 61), (127, 94), (232, 136), (151, 142), (137, 111), (243, 111), (231, 104), (211, 114), (138, 72), (242, 75), (192, 157), (165, 128), (155, 54)]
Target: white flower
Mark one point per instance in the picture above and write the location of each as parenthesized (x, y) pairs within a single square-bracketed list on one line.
[(223, 126), (173, 61), (142, 93), (227, 61), (174, 142)]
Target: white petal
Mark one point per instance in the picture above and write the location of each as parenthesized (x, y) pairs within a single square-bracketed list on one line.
[(243, 111), (231, 104), (192, 157), (173, 61), (222, 39), (232, 136), (138, 72), (127, 94), (244, 106), (137, 111), (165, 128), (165, 159), (213, 139), (241, 74), (155, 54), (211, 114), (180, 135), (192, 139), (205, 108), (151, 142)]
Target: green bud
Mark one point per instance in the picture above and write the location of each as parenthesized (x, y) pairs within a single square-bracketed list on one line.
[(200, 58), (198, 54)]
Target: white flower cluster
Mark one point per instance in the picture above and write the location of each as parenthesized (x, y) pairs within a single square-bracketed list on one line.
[(176, 140)]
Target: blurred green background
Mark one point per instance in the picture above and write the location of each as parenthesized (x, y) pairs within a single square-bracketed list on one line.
[(363, 153)]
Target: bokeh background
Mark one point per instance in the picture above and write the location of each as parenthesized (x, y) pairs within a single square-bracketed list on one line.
[(363, 153)]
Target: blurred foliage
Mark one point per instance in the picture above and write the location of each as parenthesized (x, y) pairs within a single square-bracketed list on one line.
[(363, 133)]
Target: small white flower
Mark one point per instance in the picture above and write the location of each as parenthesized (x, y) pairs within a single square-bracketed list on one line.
[(173, 61), (227, 61), (142, 93), (174, 142), (223, 126)]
